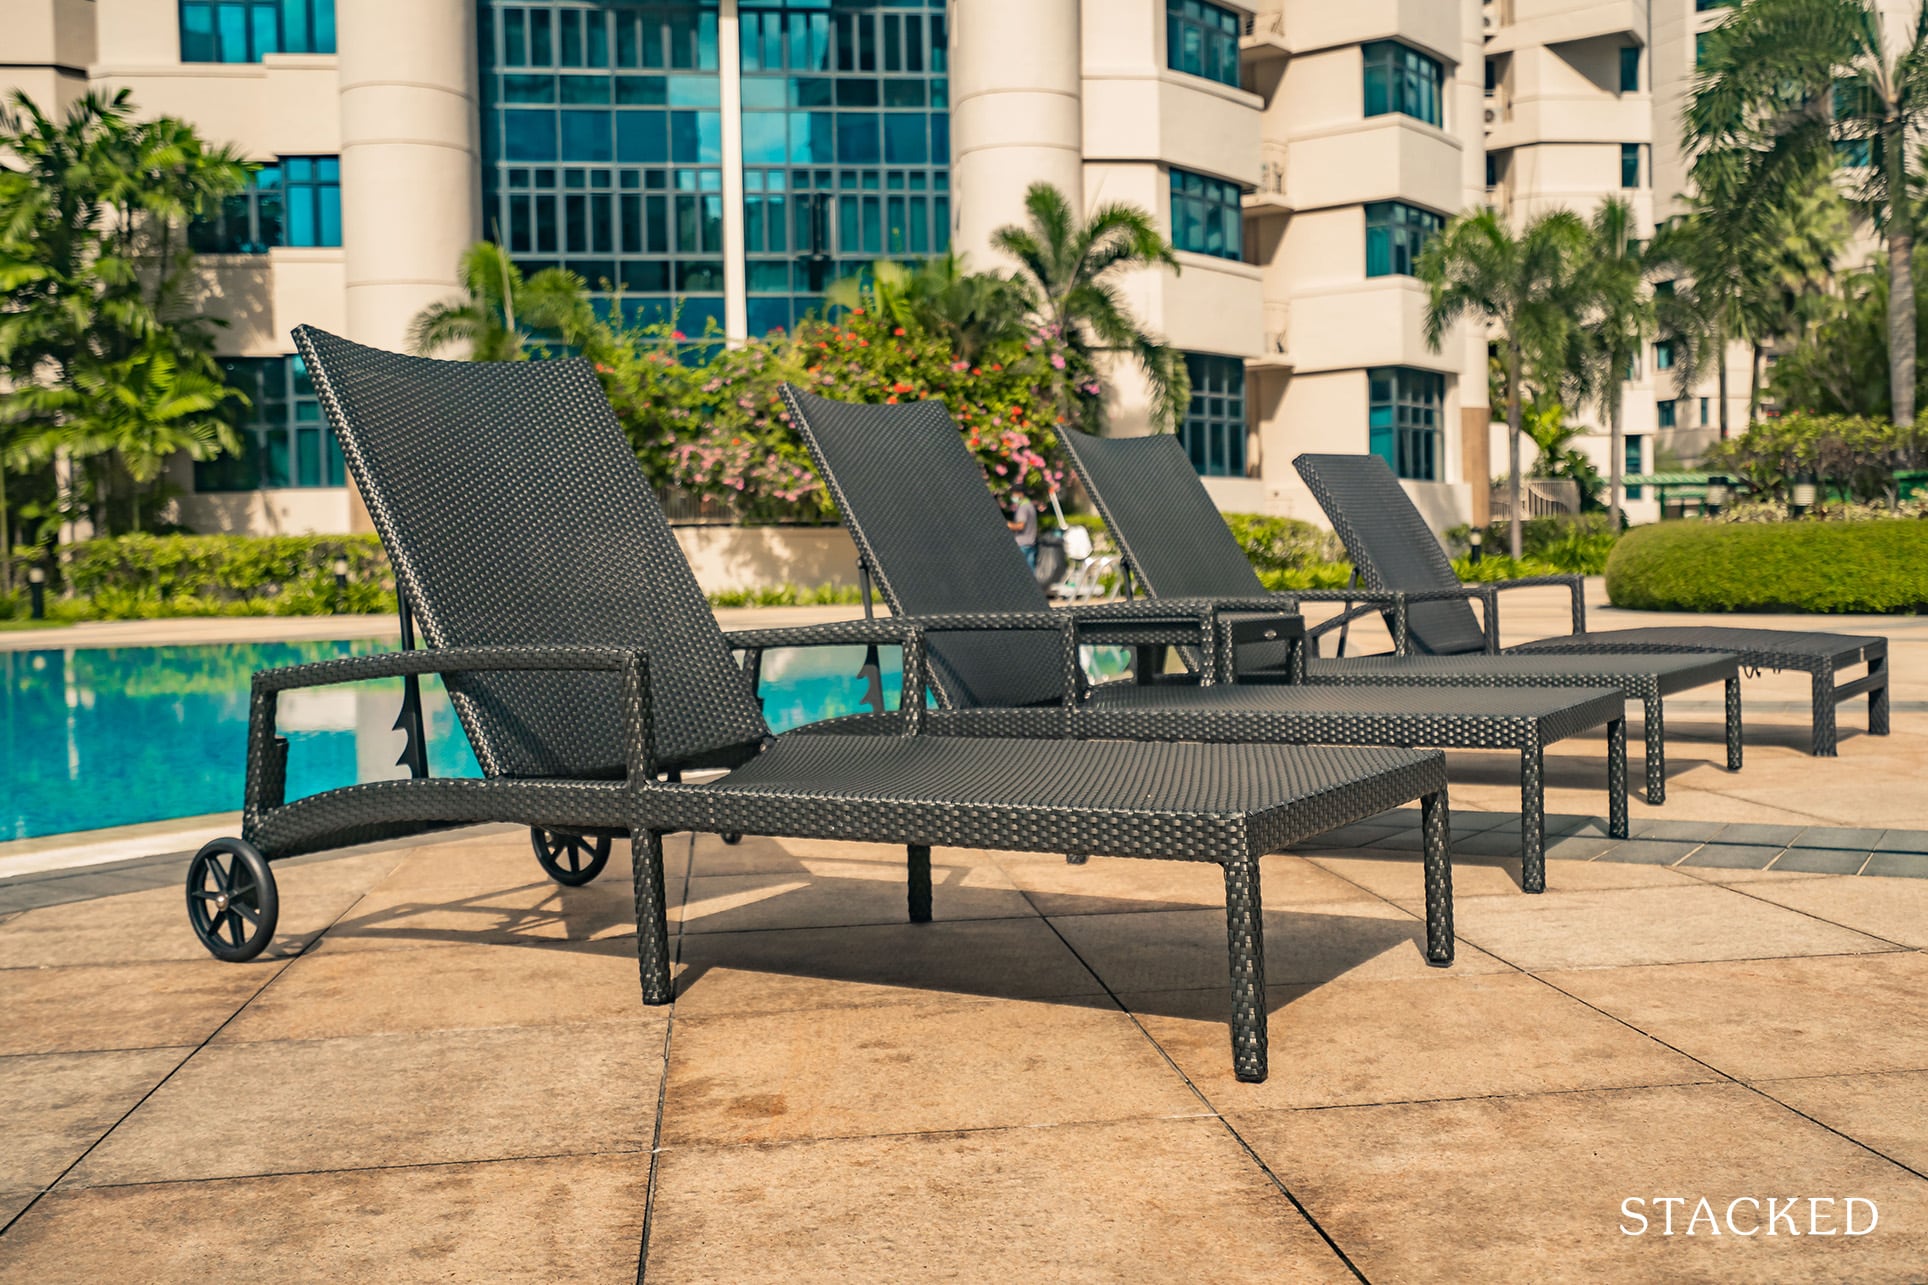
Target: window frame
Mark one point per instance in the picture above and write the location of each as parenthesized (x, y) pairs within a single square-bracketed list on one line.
[(1214, 429), (1414, 82), (1217, 29), (1199, 200), (265, 27), (1412, 439), (286, 444), (1406, 229)]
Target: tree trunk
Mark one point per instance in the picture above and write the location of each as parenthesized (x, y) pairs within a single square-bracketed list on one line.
[(1901, 276), (1754, 387), (1616, 457), (1720, 360), (1515, 512), (6, 538)]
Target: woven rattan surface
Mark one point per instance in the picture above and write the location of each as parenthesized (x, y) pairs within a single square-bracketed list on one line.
[(934, 538), (492, 549), (1391, 546), (1633, 673), (1754, 648)]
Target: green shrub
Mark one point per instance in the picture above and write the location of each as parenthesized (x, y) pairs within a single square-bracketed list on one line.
[(1284, 544), (1873, 566), (1319, 575), (1572, 544), (1495, 567), (789, 595)]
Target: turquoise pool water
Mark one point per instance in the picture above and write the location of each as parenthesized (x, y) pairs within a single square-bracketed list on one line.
[(105, 737)]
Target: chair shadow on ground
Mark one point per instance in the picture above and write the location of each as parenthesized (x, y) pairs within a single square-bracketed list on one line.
[(1166, 954)]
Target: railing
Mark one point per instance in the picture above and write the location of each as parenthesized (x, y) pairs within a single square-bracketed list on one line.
[(1265, 24), (1540, 497), (1272, 157)]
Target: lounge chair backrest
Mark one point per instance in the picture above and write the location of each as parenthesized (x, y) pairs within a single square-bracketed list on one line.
[(916, 503), (1162, 516), (1391, 546), (514, 512)]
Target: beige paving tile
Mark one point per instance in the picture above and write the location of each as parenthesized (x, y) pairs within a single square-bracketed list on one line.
[(534, 910), (828, 891), (1395, 876), (97, 1006), (761, 854), (1888, 1112), (1185, 949), (801, 968), (1519, 1189), (292, 1106), (12, 1201), (1895, 910), (507, 861), (148, 926), (1614, 928), (1141, 1201), (912, 1068), (54, 1107), (1714, 874), (1107, 885), (327, 995), (572, 1219), (1770, 1018), (1442, 1036)]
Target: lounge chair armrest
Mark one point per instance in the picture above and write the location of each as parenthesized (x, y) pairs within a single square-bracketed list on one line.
[(1575, 585), (880, 631), (1370, 602), (443, 660)]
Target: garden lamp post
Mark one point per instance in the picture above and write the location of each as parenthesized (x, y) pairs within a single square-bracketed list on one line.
[(1475, 549), (1717, 492), (37, 587), (341, 582), (1806, 491)]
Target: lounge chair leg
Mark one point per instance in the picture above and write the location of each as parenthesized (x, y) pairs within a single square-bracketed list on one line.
[(1654, 733), (920, 884), (1734, 724), (1533, 817), (1245, 937), (1617, 779), (1436, 824), (1076, 858), (652, 926), (1823, 684), (1878, 697)]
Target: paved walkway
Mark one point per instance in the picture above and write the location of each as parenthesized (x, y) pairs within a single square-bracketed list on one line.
[(442, 1071)]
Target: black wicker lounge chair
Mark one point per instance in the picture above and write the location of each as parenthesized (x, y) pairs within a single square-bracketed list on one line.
[(1393, 548), (1177, 545), (590, 675), (939, 546)]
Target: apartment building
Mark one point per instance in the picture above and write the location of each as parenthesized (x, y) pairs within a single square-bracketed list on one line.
[(733, 156)]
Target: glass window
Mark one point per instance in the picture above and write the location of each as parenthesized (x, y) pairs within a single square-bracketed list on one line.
[(249, 222), (1664, 355), (1700, 49), (1395, 234), (1403, 419), (1205, 215), (312, 197), (1630, 463), (1666, 412), (1704, 412), (1630, 69), (1202, 40), (249, 30), (1629, 165), (1854, 153), (283, 441), (1403, 80), (1213, 431)]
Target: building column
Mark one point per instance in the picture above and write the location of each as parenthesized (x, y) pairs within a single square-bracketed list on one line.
[(409, 176), (1016, 113)]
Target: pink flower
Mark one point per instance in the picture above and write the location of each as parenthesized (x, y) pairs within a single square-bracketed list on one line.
[(1057, 361)]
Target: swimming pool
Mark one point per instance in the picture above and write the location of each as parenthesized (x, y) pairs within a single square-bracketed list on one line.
[(106, 737)]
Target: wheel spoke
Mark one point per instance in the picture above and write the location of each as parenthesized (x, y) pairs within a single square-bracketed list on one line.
[(246, 912), (572, 855), (237, 932), (220, 875), (207, 894)]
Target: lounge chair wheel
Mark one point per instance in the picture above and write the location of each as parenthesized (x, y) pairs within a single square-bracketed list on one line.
[(231, 899), (570, 859), (732, 839)]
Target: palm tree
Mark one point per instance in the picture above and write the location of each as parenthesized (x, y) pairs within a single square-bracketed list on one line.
[(1620, 316), (974, 311), (499, 311), (1069, 276), (149, 407), (1783, 80), (1521, 285)]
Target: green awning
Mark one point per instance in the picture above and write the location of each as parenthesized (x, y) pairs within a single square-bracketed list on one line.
[(1667, 479)]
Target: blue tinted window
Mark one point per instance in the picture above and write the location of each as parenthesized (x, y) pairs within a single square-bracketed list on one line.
[(1402, 80), (1403, 420), (283, 441), (1395, 234), (249, 30), (1202, 40), (1206, 217), (1213, 430)]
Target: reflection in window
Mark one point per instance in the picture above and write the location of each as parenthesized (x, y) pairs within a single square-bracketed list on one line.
[(1395, 234), (284, 442), (1403, 80), (1213, 430), (1201, 39), (1404, 419), (249, 30), (1206, 218)]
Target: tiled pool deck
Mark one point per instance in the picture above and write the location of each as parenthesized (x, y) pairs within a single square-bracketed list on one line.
[(441, 1071)]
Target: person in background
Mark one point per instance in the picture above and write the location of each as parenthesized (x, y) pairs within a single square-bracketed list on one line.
[(1024, 525)]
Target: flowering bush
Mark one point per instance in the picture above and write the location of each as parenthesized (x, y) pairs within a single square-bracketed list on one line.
[(1848, 452), (719, 429)]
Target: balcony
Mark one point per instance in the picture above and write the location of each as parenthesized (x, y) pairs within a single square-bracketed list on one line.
[(1593, 118), (1264, 40), (1535, 23), (1276, 352), (1270, 198)]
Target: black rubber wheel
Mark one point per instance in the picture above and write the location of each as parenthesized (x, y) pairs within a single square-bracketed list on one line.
[(570, 859), (732, 839), (231, 900)]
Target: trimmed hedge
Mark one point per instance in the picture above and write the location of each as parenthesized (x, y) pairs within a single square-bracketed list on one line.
[(1878, 566)]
